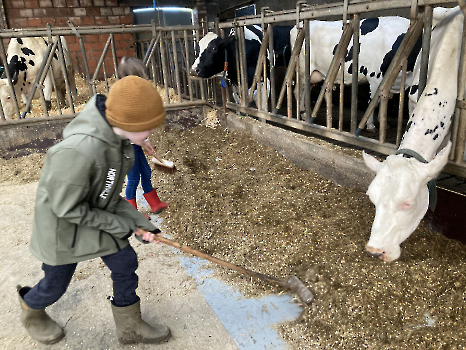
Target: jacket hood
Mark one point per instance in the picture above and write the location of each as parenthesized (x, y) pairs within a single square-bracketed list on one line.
[(91, 121)]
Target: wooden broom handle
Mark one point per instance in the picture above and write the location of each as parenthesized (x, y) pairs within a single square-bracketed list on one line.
[(189, 250)]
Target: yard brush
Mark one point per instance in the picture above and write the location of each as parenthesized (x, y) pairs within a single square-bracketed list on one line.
[(166, 166)]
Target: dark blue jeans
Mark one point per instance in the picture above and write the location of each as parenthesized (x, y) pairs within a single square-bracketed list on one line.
[(140, 170), (122, 264)]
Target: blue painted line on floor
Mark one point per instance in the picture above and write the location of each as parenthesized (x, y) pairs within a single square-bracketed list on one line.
[(249, 321)]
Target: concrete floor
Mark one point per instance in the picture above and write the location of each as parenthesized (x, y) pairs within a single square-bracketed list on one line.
[(203, 313)]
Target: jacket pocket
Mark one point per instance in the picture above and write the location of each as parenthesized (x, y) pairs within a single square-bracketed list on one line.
[(74, 236)]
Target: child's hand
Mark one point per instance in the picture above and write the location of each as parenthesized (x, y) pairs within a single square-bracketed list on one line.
[(147, 147), (146, 235)]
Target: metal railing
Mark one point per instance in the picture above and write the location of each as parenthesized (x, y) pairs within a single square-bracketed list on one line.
[(168, 54), (321, 123)]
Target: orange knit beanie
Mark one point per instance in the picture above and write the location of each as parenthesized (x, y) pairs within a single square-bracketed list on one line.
[(133, 104)]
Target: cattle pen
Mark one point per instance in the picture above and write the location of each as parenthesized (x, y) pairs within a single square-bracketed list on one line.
[(237, 198)]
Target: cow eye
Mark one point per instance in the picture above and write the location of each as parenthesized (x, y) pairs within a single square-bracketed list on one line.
[(8, 97), (407, 204), (213, 48)]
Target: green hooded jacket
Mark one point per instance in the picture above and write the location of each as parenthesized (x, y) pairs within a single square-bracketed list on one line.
[(79, 213)]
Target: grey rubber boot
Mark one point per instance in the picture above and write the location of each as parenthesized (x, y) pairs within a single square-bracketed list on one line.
[(36, 321), (131, 328)]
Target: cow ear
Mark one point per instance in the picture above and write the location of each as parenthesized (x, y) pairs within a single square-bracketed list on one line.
[(371, 162), (228, 40), (436, 165)]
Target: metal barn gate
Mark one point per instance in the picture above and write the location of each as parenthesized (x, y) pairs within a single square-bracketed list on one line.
[(350, 13)]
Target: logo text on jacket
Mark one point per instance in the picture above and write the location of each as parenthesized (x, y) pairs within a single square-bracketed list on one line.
[(109, 183)]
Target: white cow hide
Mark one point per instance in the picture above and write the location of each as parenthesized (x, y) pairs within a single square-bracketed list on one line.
[(399, 189)]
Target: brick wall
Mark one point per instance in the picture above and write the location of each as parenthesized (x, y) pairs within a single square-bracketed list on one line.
[(37, 13)]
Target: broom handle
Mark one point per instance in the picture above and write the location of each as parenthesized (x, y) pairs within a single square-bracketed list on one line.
[(189, 250)]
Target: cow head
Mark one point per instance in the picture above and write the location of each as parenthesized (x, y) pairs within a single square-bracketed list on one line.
[(6, 97), (400, 195), (211, 57)]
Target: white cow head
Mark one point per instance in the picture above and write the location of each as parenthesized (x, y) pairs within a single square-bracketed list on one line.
[(6, 97), (401, 198)]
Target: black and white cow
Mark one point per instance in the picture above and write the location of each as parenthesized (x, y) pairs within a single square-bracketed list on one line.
[(379, 40), (399, 189), (24, 56), (215, 51)]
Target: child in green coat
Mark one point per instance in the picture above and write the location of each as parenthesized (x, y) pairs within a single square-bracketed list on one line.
[(80, 215)]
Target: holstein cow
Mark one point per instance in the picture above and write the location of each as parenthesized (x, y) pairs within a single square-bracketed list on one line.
[(399, 189), (24, 58), (215, 51), (379, 40)]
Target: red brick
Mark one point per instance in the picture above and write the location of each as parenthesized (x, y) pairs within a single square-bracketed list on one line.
[(85, 3), (12, 13), (17, 4), (125, 20), (92, 63), (39, 13), (58, 12), (99, 20), (88, 21), (18, 22), (91, 39), (73, 46), (93, 11), (118, 11), (114, 19), (98, 46), (59, 3), (95, 54), (7, 4), (77, 21), (61, 21), (79, 12), (31, 4), (71, 39), (122, 44), (105, 11), (111, 2), (72, 3), (34, 22), (26, 13), (45, 3), (99, 3), (48, 20)]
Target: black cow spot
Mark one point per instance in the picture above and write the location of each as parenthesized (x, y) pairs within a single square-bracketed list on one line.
[(24, 84), (435, 136), (363, 70), (335, 50), (372, 74), (27, 51), (21, 89), (349, 54), (20, 41), (369, 25), (25, 76), (409, 125), (434, 93), (431, 131), (378, 75), (350, 69), (31, 63), (413, 89), (442, 124)]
